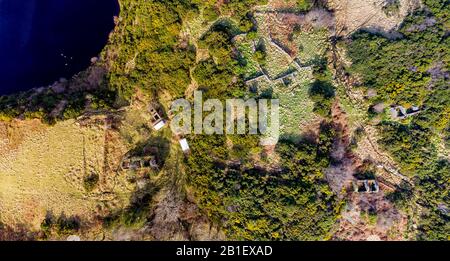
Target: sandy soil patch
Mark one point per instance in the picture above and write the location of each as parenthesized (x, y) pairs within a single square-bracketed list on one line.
[(354, 14)]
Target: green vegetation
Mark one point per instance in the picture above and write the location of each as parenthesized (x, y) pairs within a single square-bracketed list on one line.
[(280, 194), (90, 181), (410, 145), (46, 105), (136, 214), (258, 203), (434, 191), (410, 70), (149, 54), (218, 43), (312, 45), (305, 5), (145, 52), (322, 93), (62, 225), (370, 216), (260, 55), (391, 7), (248, 59), (296, 107), (236, 8), (253, 203), (413, 70), (217, 76), (300, 94)]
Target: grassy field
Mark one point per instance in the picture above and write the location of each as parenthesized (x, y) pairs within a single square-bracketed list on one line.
[(312, 45), (43, 170), (277, 62), (296, 108)]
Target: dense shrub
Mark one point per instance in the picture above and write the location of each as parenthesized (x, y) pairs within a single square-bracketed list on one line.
[(413, 70)]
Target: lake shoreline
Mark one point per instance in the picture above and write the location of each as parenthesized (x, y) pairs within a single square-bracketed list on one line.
[(52, 42)]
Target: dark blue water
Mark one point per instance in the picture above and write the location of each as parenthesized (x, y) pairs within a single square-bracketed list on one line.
[(44, 40)]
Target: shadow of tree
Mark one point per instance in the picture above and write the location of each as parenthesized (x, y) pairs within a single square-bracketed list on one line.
[(139, 209), (158, 146), (61, 225)]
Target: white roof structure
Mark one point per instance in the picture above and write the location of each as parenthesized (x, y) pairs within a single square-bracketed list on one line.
[(159, 125), (73, 238), (184, 145)]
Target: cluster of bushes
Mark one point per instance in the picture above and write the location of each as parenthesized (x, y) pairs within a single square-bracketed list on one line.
[(62, 225), (29, 105), (254, 203), (138, 211), (413, 70), (90, 181), (218, 76), (391, 7), (151, 55), (322, 93), (305, 5), (237, 9), (413, 150)]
